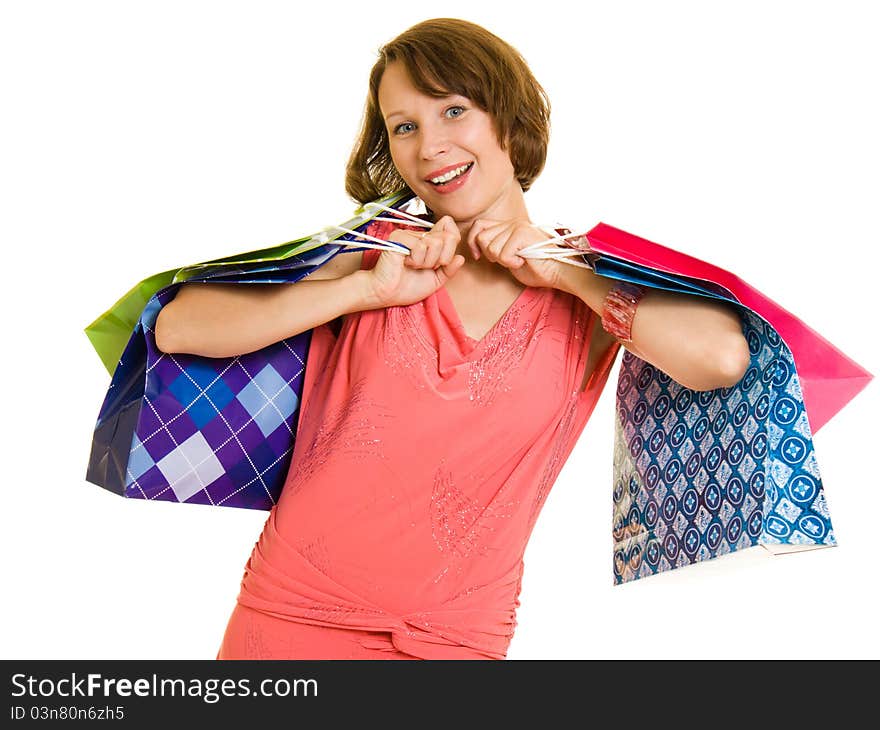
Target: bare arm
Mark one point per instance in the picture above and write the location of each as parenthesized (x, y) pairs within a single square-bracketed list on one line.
[(696, 341), (226, 320)]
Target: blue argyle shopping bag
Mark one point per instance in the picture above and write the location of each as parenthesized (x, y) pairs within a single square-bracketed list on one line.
[(184, 428), (200, 430)]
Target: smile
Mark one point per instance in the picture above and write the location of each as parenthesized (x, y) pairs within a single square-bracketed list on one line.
[(452, 180)]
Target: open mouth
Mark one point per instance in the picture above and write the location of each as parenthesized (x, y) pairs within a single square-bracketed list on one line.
[(453, 179)]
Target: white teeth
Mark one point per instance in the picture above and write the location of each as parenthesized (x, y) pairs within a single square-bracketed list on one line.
[(449, 175)]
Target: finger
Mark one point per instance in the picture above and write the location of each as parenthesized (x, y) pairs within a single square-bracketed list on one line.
[(442, 225), (433, 248), (515, 242), (523, 238), (447, 250), (413, 241), (448, 225), (500, 246), (451, 235), (421, 253), (444, 273), (436, 250), (480, 236), (491, 239), (443, 236), (476, 229), (429, 240)]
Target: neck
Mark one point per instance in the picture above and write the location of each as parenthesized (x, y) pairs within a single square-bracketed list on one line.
[(508, 206)]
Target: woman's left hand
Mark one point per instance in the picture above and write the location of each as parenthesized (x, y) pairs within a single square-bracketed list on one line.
[(499, 241)]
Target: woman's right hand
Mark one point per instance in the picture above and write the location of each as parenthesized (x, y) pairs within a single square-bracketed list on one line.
[(398, 280)]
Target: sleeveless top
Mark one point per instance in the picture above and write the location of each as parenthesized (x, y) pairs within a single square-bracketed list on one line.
[(422, 460)]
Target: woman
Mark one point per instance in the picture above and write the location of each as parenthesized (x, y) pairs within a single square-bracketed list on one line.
[(444, 389)]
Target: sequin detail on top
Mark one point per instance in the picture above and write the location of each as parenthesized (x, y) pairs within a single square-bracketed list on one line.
[(407, 351), (553, 466), (331, 613), (566, 427), (354, 428), (255, 646), (505, 346), (460, 526), (315, 551), (467, 592)]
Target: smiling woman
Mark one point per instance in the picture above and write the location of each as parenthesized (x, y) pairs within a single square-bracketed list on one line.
[(444, 94), (416, 480), (443, 146)]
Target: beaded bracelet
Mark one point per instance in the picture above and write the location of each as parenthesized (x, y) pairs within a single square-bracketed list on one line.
[(619, 309)]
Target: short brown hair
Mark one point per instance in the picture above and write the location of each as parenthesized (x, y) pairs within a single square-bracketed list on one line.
[(452, 56)]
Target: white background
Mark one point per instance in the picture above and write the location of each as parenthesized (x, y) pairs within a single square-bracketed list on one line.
[(139, 137)]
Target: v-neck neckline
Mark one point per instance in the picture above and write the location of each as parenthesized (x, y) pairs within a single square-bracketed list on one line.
[(474, 344)]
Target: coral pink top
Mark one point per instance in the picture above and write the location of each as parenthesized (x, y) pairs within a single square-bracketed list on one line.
[(421, 462)]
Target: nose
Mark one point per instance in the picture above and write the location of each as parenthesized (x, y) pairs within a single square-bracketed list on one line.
[(434, 142)]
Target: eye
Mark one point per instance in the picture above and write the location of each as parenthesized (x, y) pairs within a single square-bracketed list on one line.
[(449, 109)]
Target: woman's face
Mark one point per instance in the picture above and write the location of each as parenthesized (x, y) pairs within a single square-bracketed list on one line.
[(427, 135)]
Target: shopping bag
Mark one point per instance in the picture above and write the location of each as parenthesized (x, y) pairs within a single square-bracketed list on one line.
[(216, 431), (698, 474)]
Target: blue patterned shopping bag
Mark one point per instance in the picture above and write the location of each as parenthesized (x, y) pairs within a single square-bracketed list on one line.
[(698, 474)]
